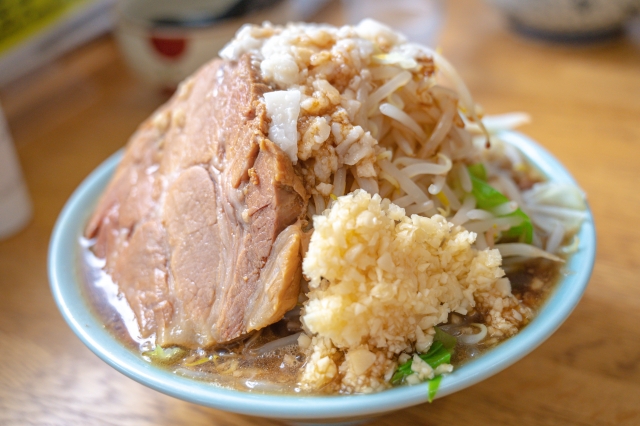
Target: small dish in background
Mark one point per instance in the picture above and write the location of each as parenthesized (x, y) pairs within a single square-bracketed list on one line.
[(569, 20)]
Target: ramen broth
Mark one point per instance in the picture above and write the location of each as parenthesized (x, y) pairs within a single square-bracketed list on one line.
[(242, 365)]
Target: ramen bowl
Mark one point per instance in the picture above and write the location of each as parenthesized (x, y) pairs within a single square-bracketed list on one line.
[(68, 290)]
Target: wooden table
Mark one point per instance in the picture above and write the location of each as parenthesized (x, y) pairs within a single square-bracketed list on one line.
[(585, 101)]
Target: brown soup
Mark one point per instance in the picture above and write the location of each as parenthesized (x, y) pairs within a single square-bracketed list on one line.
[(248, 364)]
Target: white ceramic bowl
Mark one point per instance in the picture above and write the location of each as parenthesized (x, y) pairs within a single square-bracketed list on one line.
[(67, 288)]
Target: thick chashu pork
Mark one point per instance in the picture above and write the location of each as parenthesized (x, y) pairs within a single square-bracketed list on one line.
[(200, 225)]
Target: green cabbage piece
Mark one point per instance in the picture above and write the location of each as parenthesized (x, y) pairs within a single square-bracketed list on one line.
[(487, 197), (439, 353)]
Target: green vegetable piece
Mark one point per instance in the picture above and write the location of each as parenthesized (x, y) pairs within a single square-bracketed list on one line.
[(487, 197), (398, 376), (478, 171), (439, 353), (442, 356), (435, 347), (163, 355), (448, 341), (434, 384)]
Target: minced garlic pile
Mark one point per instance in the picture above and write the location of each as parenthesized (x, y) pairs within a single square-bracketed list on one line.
[(379, 283)]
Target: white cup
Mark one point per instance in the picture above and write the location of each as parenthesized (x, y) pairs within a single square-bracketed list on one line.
[(15, 204), (165, 41)]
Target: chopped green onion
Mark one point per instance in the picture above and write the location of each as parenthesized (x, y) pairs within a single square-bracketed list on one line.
[(487, 197), (434, 384)]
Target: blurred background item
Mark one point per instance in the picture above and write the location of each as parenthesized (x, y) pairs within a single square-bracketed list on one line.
[(75, 111), (419, 20), (15, 205), (569, 20), (164, 41), (32, 33)]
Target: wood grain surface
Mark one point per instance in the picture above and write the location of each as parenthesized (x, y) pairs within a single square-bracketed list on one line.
[(585, 103)]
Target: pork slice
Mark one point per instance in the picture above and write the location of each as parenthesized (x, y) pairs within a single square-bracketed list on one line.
[(189, 216), (273, 203), (130, 195), (142, 264), (201, 224)]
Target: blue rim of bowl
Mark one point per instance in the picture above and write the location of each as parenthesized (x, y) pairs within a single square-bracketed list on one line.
[(67, 291)]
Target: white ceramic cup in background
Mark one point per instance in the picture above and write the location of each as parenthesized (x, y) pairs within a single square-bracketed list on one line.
[(164, 41), (15, 205)]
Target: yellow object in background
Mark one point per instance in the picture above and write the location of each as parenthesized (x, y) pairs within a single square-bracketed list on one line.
[(35, 32), (19, 19)]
